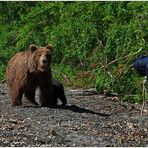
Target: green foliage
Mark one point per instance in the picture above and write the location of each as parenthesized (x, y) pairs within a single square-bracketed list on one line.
[(89, 38)]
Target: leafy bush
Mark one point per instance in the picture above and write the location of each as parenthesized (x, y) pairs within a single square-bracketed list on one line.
[(95, 43)]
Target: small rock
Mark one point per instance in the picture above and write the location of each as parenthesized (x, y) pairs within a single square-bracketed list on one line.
[(145, 129), (130, 125)]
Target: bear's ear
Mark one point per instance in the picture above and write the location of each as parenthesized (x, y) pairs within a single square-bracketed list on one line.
[(49, 47), (33, 47)]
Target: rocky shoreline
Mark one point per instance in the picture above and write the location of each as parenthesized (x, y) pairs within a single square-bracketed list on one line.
[(89, 120)]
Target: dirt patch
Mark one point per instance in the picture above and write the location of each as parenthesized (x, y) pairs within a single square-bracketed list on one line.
[(89, 120)]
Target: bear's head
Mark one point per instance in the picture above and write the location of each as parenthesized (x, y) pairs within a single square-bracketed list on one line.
[(40, 59)]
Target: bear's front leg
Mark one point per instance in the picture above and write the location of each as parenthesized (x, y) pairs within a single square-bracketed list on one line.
[(46, 94), (16, 97), (30, 95)]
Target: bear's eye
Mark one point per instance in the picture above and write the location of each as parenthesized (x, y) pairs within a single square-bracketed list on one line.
[(39, 54)]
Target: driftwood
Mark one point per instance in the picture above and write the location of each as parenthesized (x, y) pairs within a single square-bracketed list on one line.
[(3, 81)]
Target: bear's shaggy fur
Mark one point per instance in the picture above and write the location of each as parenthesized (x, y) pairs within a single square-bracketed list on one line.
[(58, 93), (28, 70)]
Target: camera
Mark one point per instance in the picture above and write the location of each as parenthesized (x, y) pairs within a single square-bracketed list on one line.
[(141, 65)]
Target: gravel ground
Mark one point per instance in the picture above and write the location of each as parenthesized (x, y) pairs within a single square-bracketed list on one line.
[(88, 120)]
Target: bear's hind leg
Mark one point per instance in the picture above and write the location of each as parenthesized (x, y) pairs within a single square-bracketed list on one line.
[(62, 96), (55, 99), (63, 100)]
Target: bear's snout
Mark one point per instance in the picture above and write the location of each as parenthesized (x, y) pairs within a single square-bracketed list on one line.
[(43, 61)]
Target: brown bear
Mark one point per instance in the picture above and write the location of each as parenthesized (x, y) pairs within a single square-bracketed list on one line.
[(58, 93), (28, 70)]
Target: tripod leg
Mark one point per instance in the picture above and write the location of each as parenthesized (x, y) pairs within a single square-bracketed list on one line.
[(144, 92)]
